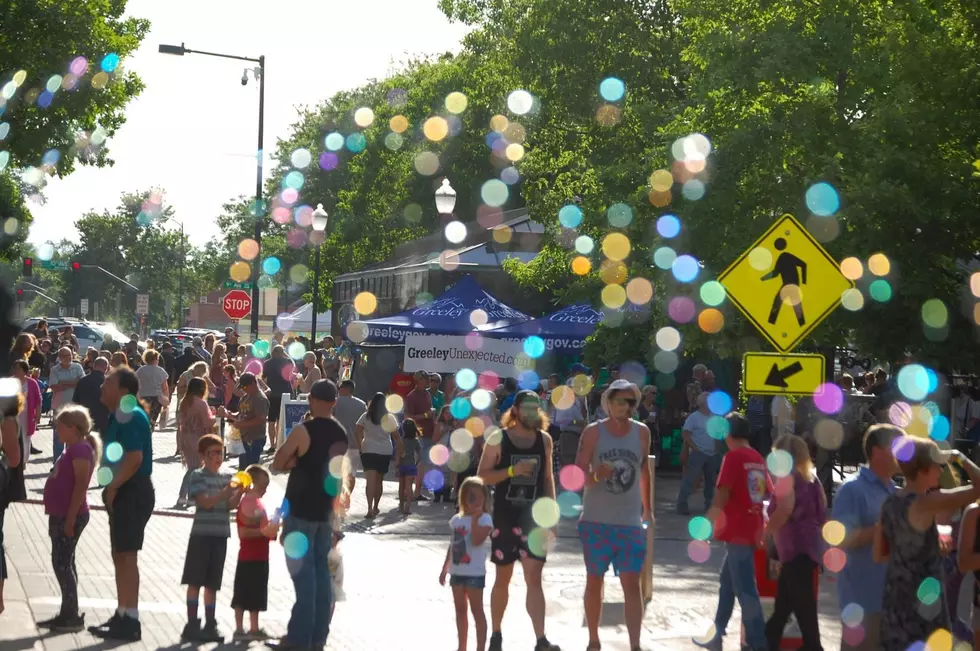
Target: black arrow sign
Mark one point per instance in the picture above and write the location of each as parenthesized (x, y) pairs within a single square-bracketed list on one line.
[(777, 377)]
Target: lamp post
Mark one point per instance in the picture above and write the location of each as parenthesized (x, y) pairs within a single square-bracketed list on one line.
[(259, 74), (320, 218), (445, 198)]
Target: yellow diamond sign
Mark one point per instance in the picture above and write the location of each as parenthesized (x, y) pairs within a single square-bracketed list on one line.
[(785, 283)]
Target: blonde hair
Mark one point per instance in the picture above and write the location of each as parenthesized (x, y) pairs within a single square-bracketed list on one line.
[(799, 450), (259, 474), (77, 417), (469, 485), (150, 356), (118, 359), (199, 369)]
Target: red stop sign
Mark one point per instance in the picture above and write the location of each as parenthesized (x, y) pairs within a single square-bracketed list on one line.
[(237, 304)]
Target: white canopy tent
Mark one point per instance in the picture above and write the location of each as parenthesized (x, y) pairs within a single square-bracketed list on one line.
[(300, 321)]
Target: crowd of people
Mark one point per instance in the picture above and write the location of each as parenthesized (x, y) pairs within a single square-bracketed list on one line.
[(495, 460)]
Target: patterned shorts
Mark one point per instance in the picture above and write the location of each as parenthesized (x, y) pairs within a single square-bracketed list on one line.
[(624, 547)]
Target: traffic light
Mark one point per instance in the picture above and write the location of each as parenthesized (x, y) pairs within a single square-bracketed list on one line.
[(20, 293), (28, 266), (75, 266)]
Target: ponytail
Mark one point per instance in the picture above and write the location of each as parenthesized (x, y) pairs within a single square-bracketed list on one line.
[(96, 446)]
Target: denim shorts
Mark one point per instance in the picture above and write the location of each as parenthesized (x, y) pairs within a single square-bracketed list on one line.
[(408, 471), (625, 547), (473, 582)]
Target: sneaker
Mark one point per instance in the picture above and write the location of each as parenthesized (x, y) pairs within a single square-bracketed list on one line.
[(192, 631), (544, 645), (70, 624), (714, 644), (51, 623), (34, 450), (496, 642), (210, 633), (119, 627)]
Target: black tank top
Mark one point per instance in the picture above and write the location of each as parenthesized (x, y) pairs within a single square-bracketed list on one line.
[(311, 488), (513, 497)]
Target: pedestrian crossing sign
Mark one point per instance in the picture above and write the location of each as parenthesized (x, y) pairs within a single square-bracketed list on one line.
[(785, 283)]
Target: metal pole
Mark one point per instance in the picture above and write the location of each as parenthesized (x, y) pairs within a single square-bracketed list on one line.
[(260, 213), (180, 283), (316, 292)]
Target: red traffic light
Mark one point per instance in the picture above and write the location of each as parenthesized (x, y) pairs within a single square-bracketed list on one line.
[(28, 261), (75, 266), (20, 292)]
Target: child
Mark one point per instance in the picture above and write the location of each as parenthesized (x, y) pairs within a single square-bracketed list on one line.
[(408, 464), (215, 495), (252, 574), (67, 508), (446, 426), (466, 559)]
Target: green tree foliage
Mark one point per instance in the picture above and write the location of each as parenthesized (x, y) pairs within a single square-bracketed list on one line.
[(42, 39)]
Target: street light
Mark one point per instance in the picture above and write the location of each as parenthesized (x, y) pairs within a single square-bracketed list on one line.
[(320, 218), (259, 73), (445, 198)]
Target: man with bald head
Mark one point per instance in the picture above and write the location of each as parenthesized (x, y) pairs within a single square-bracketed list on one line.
[(277, 372)]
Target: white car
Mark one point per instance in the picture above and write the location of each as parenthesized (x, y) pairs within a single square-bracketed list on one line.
[(91, 334)]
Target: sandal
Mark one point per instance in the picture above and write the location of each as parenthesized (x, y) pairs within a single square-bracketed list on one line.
[(594, 646)]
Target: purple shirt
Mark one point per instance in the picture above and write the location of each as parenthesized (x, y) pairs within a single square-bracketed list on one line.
[(802, 533), (61, 483)]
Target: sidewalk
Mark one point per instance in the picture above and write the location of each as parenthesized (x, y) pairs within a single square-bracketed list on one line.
[(392, 564)]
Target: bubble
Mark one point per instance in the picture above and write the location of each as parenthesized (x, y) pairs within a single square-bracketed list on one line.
[(534, 346), (300, 158), (364, 117), (461, 440), (852, 299), (903, 448), (780, 463), (481, 399), (880, 290), (394, 142), (900, 414), (584, 244), (328, 161), (79, 66), (448, 260), (941, 640), (45, 252), (685, 268), (929, 591), (528, 380), (620, 215), (822, 199), (356, 143), (494, 193), (389, 423), (711, 321), (510, 175), (434, 480), (934, 313), (571, 477), (4, 159), (668, 338), (104, 476), (829, 434), (760, 259), (365, 303), (613, 296), (128, 404), (295, 544), (612, 89), (520, 102), (581, 265), (248, 249), (455, 231), (616, 246), (639, 291), (693, 190), (478, 318), (514, 152), (717, 427), (681, 309), (668, 226), (498, 123), (828, 398), (113, 452), (298, 273), (975, 284), (852, 614), (612, 272), (664, 257), (569, 504), (436, 128), (913, 382), (699, 551), (334, 141), (296, 350), (834, 559), (439, 454), (545, 512), (699, 528), (851, 268), (110, 62), (719, 403), (608, 115), (426, 163), (460, 408), (394, 403), (878, 264), (260, 349)]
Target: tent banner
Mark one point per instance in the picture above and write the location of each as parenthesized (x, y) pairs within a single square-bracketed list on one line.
[(451, 353)]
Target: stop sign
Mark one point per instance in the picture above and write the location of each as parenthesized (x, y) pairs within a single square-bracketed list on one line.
[(237, 304)]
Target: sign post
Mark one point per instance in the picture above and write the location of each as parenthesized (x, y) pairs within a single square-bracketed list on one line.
[(84, 306), (237, 304), (142, 304)]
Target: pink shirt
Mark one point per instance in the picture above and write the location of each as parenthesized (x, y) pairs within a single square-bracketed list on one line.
[(61, 483)]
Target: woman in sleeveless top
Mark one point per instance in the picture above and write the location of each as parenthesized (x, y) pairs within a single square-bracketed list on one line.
[(13, 458), (612, 454), (797, 514), (907, 539), (519, 467)]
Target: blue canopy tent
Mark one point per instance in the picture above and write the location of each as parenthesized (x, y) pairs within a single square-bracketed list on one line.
[(449, 314), (563, 331)]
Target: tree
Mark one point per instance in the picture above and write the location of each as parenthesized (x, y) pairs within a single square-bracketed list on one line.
[(63, 57)]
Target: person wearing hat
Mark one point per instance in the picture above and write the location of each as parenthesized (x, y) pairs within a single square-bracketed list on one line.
[(307, 454), (253, 409), (612, 453), (519, 466)]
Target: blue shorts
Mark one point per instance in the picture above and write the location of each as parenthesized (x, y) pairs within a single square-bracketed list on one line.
[(472, 582), (625, 547), (408, 471)]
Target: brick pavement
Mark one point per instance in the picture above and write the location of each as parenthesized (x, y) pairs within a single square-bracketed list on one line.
[(391, 568)]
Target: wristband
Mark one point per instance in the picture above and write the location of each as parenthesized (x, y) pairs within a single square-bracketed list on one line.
[(510, 471), (595, 478)]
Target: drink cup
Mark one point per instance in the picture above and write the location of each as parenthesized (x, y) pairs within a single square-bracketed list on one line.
[(945, 534)]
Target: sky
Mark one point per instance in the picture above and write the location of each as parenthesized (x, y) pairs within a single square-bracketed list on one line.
[(193, 130)]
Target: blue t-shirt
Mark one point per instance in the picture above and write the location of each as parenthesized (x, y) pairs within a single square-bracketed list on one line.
[(858, 505), (133, 435)]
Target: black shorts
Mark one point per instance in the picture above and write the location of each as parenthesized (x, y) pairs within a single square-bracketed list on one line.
[(251, 586), (204, 564), (130, 511), (376, 462), (275, 404), (153, 402), (508, 544)]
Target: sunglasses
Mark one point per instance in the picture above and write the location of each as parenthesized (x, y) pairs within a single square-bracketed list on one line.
[(623, 401)]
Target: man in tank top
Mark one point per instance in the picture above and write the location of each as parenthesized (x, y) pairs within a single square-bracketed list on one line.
[(518, 465), (613, 455)]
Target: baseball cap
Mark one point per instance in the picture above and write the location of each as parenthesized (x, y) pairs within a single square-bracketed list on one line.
[(246, 379), (526, 395), (324, 390)]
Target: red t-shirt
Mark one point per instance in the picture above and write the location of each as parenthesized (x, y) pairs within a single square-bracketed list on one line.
[(251, 515), (418, 405), (744, 474), (402, 384)]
